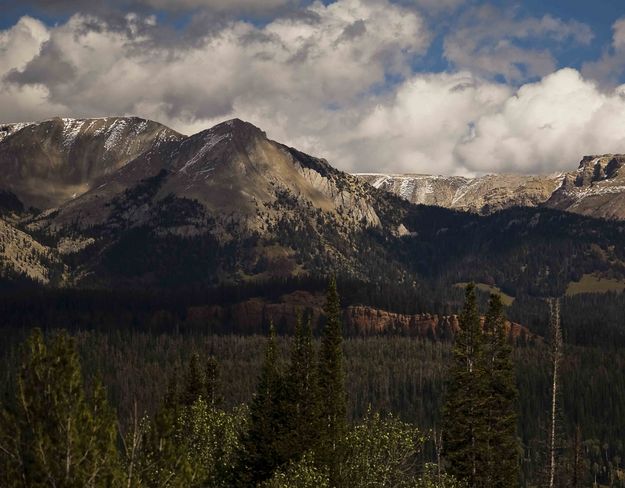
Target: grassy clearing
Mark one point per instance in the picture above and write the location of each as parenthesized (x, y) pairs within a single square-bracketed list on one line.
[(505, 298), (594, 284)]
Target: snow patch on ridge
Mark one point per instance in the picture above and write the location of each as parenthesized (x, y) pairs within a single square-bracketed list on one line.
[(212, 141), (10, 129), (115, 133), (71, 130)]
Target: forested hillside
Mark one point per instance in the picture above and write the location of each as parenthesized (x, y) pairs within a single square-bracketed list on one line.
[(403, 376)]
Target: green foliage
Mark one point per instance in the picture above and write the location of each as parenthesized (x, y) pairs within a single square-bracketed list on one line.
[(303, 473), (190, 442), (433, 477), (480, 417), (194, 382), (502, 454), (52, 433), (380, 451)]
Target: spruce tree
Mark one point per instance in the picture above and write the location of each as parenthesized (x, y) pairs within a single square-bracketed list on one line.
[(502, 463), (260, 455), (332, 382), (194, 385), (53, 433), (301, 407), (464, 419)]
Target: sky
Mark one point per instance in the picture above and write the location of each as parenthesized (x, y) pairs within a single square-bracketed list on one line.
[(452, 87)]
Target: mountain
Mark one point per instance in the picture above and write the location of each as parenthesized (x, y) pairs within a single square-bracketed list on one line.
[(238, 203), (595, 189), (483, 195), (229, 205), (44, 164)]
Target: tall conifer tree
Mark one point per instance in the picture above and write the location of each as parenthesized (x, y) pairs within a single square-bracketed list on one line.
[(302, 403), (332, 382), (464, 422), (260, 455), (502, 463)]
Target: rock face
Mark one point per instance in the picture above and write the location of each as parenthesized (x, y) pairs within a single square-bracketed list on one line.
[(596, 189), (249, 315), (48, 163), (231, 169), (483, 195)]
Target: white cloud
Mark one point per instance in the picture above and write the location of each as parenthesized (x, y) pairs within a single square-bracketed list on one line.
[(618, 38), (219, 5), (330, 56), (319, 82), (21, 43), (547, 126)]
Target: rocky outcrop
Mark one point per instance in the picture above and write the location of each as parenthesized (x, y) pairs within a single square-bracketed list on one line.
[(596, 189), (358, 320)]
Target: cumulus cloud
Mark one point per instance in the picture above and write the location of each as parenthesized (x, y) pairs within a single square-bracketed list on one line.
[(547, 126), (326, 58), (18, 45), (492, 42), (334, 80), (460, 124)]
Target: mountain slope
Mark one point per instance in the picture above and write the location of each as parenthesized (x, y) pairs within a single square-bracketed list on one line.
[(483, 195), (21, 254), (229, 205), (47, 163), (225, 192), (595, 189)]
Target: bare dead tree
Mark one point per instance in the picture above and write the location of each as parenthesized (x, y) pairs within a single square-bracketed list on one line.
[(556, 357)]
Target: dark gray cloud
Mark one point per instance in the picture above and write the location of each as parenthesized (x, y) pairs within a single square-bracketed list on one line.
[(105, 8), (495, 42), (49, 67)]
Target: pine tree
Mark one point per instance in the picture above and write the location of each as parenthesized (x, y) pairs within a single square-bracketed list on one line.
[(260, 455), (332, 383), (502, 453), (464, 419), (194, 385), (301, 407), (53, 433)]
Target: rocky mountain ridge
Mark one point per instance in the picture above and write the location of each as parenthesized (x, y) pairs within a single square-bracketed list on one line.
[(46, 164), (595, 189), (228, 205)]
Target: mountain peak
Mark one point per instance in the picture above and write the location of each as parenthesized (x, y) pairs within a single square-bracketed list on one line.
[(239, 130)]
